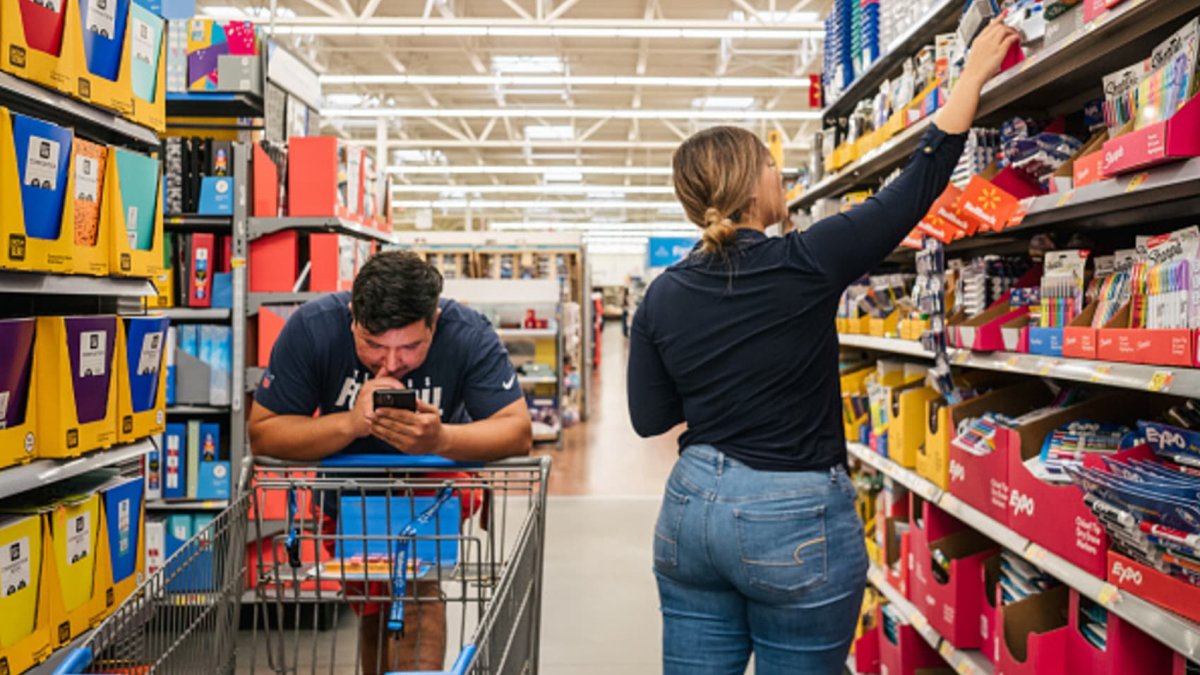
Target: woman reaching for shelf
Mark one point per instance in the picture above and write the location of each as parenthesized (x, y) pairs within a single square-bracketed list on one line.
[(758, 548)]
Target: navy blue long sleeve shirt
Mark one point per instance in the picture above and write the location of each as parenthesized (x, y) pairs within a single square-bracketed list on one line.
[(746, 353)]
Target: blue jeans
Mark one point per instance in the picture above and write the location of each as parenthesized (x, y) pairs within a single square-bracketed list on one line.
[(772, 563)]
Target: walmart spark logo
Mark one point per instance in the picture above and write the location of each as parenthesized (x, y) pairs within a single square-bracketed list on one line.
[(990, 198)]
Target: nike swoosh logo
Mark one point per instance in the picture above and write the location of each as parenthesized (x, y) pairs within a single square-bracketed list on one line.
[(511, 381)]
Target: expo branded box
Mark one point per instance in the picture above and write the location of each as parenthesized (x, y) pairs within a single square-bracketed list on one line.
[(18, 392), (1126, 650), (906, 652), (1154, 586), (926, 523), (957, 592), (75, 358), (1033, 635)]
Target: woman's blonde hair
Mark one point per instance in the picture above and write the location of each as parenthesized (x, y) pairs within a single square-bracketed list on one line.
[(716, 175)]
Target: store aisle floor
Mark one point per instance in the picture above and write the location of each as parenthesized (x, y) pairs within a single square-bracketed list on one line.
[(600, 605)]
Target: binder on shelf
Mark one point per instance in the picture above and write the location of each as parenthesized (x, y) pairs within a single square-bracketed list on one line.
[(152, 469), (141, 385), (34, 177), (174, 457), (31, 40), (75, 358), (25, 631), (148, 69), (193, 458), (156, 544), (212, 481), (216, 196), (169, 359), (18, 392), (91, 243), (200, 269), (265, 184), (134, 193)]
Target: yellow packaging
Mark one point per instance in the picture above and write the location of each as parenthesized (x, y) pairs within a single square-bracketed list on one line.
[(885, 327), (125, 260), (933, 459), (18, 442), (151, 113), (137, 425), (840, 324), (906, 429), (911, 329), (74, 530), (21, 252), (25, 631), (859, 326), (854, 384), (26, 62), (116, 95), (165, 284), (60, 431)]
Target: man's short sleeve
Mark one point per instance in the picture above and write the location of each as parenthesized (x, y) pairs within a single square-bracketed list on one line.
[(491, 381), (289, 386)]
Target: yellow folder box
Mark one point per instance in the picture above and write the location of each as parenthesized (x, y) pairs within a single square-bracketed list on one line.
[(116, 94), (126, 260), (24, 604), (906, 429), (69, 386), (885, 326), (26, 61), (18, 442), (74, 530), (150, 422)]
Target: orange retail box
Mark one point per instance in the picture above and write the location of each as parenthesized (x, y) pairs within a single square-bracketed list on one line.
[(25, 631), (319, 191), (133, 208), (141, 377), (265, 184), (75, 357), (18, 391), (1160, 347), (1167, 141), (32, 37), (943, 222), (1054, 515), (1079, 338), (982, 481), (1089, 169), (275, 261), (984, 206), (954, 597), (1033, 635), (1126, 650), (334, 259)]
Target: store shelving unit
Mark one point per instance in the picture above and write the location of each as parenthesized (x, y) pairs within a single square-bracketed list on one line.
[(214, 104), (24, 477), (1054, 74), (56, 107), (185, 222), (195, 314), (198, 410), (1158, 379), (188, 505), (259, 227), (1178, 633), (937, 20), (38, 283), (964, 661)]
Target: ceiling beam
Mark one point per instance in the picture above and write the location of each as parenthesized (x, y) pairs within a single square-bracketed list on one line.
[(370, 9), (561, 9), (324, 9), (519, 10)]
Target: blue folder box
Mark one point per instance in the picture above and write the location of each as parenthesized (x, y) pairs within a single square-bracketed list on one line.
[(145, 337), (43, 156), (104, 23), (402, 510), (122, 504)]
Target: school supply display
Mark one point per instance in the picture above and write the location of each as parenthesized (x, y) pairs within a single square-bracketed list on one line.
[(1156, 88), (1165, 282), (1062, 288), (1020, 579), (1068, 445)]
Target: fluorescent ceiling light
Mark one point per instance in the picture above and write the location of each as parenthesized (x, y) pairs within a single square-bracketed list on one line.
[(345, 100), (723, 102), (562, 176), (576, 113), (411, 155), (550, 132), (527, 170), (233, 13), (527, 64), (531, 204), (610, 191), (776, 18), (630, 29), (568, 80)]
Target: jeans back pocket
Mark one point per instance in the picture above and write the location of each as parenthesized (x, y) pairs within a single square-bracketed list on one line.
[(783, 551), (666, 529)]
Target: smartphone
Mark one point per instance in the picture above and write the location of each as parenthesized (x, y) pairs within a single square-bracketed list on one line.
[(402, 399)]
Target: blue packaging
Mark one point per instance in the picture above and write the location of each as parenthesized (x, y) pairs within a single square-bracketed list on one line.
[(216, 196), (1045, 341), (222, 290), (144, 337), (213, 481), (123, 511), (104, 35), (43, 154)]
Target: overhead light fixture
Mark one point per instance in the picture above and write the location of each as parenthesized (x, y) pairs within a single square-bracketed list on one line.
[(345, 100), (533, 204), (562, 176), (554, 188), (723, 102), (533, 170), (633, 29), (577, 113), (527, 64), (231, 12), (666, 228), (416, 156), (568, 80), (775, 18), (550, 132)]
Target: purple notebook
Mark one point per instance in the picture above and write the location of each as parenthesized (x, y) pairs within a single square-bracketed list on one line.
[(90, 343), (16, 358)]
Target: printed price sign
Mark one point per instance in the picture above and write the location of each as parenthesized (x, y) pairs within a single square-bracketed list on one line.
[(1100, 373), (1109, 595), (1065, 199), (965, 668), (1136, 181), (946, 650), (1161, 381), (961, 357)]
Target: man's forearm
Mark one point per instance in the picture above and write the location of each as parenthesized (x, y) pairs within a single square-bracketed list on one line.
[(301, 438), (488, 440)]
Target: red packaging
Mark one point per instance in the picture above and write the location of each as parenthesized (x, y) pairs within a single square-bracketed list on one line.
[(942, 222), (908, 654), (1174, 139), (986, 207), (1127, 650), (1154, 586), (265, 184), (314, 191), (1093, 9), (201, 269), (275, 262), (1089, 169), (956, 610), (926, 523), (866, 652), (1033, 635), (333, 257)]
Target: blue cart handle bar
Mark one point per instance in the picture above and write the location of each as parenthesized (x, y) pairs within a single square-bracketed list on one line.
[(465, 658), (396, 462), (80, 658)]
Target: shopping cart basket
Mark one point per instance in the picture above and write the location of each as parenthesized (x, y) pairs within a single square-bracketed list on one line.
[(440, 562)]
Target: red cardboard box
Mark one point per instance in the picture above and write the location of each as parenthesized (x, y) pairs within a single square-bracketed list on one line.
[(1033, 635), (275, 262), (315, 191), (990, 610), (1015, 334), (895, 552), (334, 259), (982, 482), (265, 184), (1154, 586), (866, 652), (1093, 8), (926, 523), (955, 608), (1079, 338), (984, 206), (270, 324), (984, 333), (942, 221), (1176, 138), (1089, 169), (1127, 650), (909, 653)]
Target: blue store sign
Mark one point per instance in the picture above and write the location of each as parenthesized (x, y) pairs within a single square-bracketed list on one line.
[(666, 251)]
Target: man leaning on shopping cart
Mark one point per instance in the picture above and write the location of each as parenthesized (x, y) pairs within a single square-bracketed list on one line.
[(391, 331)]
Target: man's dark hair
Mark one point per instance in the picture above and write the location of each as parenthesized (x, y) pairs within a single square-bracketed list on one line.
[(393, 290)]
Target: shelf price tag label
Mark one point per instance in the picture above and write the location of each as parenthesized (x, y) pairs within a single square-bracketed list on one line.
[(1161, 381), (1035, 554), (1045, 366), (1100, 373), (946, 650), (1065, 199), (1012, 361), (960, 357), (919, 622), (965, 668), (1137, 181), (1108, 595)]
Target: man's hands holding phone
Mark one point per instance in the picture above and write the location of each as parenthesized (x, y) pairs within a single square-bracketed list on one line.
[(415, 433)]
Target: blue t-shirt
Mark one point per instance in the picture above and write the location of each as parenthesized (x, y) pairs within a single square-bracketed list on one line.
[(315, 368)]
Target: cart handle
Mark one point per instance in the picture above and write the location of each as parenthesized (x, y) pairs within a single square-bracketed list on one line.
[(396, 462), (76, 662), (465, 657)]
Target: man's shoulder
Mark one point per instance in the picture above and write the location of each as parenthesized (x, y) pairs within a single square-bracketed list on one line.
[(325, 316)]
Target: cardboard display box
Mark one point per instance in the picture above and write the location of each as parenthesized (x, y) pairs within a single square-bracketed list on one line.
[(31, 40), (1127, 650), (1033, 635), (134, 196), (141, 377), (75, 358), (18, 436)]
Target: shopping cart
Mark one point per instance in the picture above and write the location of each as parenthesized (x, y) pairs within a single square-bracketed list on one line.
[(440, 562)]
